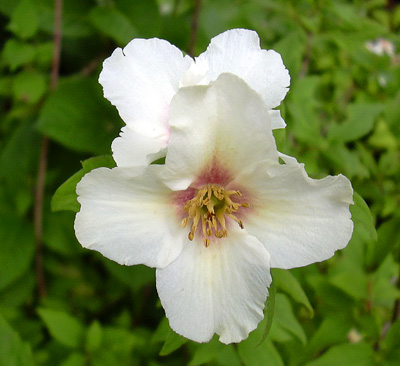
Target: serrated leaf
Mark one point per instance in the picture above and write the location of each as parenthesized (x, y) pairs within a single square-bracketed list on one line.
[(14, 352), (63, 327), (287, 283), (65, 198), (77, 116)]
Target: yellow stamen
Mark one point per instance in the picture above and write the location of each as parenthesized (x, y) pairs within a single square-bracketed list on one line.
[(210, 206)]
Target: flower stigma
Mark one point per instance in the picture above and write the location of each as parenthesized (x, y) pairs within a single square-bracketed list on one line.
[(209, 207)]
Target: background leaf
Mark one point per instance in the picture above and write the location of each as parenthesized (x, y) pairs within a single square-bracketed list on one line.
[(63, 327)]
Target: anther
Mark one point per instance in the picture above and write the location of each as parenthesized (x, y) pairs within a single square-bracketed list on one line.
[(209, 206)]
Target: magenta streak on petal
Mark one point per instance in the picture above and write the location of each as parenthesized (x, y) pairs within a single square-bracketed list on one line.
[(213, 173)]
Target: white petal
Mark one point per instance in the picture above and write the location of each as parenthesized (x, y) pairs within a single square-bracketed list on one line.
[(140, 81), (126, 216), (135, 149), (276, 119), (226, 122), (298, 219), (238, 51), (220, 289)]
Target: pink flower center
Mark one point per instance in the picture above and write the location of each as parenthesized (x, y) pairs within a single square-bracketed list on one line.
[(208, 208)]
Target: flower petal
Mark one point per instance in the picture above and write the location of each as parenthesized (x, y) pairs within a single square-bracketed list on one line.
[(134, 149), (238, 51), (225, 122), (298, 219), (140, 81), (276, 119), (126, 216), (220, 289)]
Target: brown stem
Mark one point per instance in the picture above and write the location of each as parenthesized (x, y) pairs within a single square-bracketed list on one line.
[(396, 310), (194, 28), (38, 216), (306, 61), (39, 194)]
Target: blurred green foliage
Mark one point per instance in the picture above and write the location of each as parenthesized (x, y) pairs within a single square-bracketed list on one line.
[(342, 115)]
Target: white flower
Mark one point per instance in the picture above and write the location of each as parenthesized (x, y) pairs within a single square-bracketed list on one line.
[(217, 215), (141, 80), (380, 47)]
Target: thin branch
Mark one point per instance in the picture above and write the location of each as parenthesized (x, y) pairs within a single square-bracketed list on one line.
[(396, 310), (39, 194), (194, 28), (38, 216), (306, 61)]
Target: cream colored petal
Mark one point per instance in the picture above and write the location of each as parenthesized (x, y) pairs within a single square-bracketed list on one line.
[(220, 289), (299, 220), (126, 215), (225, 124), (140, 81)]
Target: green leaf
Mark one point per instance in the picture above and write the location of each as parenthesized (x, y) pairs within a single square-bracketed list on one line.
[(206, 352), (286, 282), (14, 352), (172, 343), (24, 20), (362, 217), (18, 161), (113, 23), (17, 247), (302, 108), (269, 311), (252, 353), (29, 87), (285, 321), (19, 292), (333, 330), (351, 278), (58, 233), (65, 198), (133, 276), (63, 327), (75, 359), (392, 339), (78, 116), (360, 121), (292, 48), (388, 237), (16, 53), (359, 354), (94, 337), (383, 137)]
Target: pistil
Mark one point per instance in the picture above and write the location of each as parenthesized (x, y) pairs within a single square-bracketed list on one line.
[(210, 207)]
